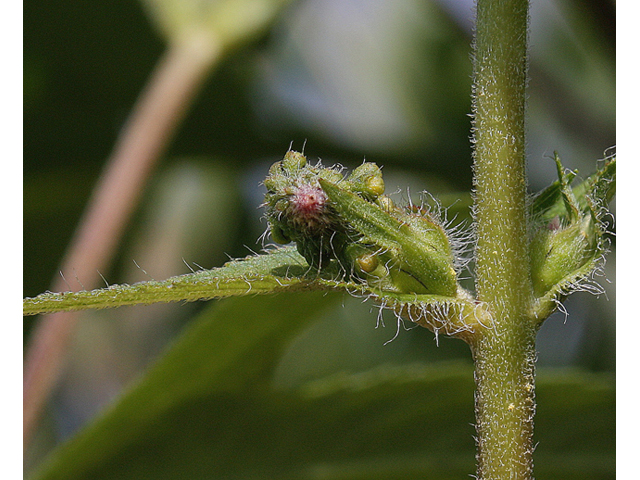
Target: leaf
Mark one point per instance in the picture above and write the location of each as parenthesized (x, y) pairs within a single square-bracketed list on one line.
[(279, 269), (226, 21), (228, 349), (208, 410), (575, 425)]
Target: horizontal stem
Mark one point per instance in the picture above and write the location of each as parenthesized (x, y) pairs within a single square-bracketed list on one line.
[(187, 288)]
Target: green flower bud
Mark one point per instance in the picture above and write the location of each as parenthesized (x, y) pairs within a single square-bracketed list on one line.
[(385, 203), (380, 270), (293, 161), (568, 245), (298, 210), (368, 263), (349, 222), (366, 181), (558, 254), (417, 250)]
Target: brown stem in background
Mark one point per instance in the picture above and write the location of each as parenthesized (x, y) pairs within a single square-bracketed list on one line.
[(158, 111)]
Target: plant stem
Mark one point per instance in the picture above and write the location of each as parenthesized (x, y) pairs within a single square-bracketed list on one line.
[(505, 354), (154, 118), (505, 405)]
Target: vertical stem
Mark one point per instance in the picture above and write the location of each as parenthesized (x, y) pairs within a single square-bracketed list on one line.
[(504, 355), (505, 404)]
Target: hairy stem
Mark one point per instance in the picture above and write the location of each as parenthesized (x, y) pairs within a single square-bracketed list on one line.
[(154, 118), (504, 355), (505, 403), (280, 269)]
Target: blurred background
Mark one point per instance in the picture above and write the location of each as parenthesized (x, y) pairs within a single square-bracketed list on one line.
[(384, 81)]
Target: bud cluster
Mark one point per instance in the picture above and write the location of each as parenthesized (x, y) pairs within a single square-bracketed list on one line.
[(298, 209), (567, 240), (350, 222)]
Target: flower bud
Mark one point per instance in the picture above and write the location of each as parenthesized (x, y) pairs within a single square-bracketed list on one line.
[(558, 254), (298, 210), (293, 161), (366, 181), (416, 250), (566, 248), (349, 220)]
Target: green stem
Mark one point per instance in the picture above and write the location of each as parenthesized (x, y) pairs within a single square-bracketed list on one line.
[(505, 404), (505, 354)]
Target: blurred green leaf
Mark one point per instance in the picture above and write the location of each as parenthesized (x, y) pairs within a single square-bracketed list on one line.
[(226, 21), (229, 348), (208, 409)]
